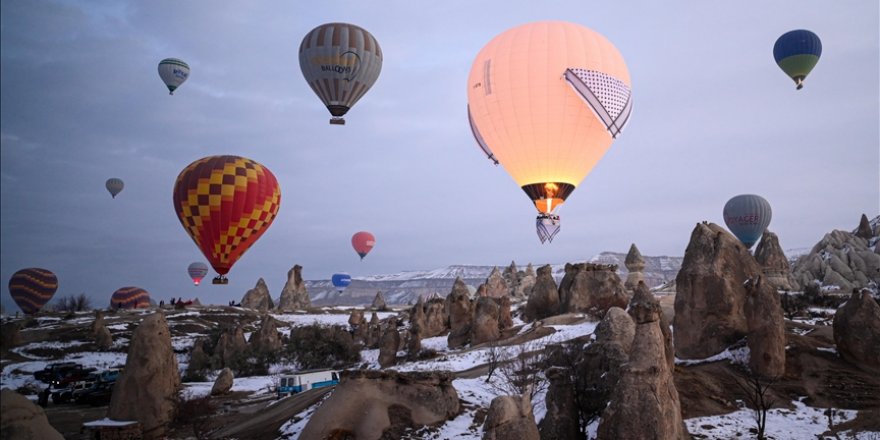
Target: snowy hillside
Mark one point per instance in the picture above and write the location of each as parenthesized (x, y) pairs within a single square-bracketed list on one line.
[(406, 287)]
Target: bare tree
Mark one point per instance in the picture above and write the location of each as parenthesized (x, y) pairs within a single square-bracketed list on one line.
[(495, 355), (522, 373), (758, 398), (73, 303)]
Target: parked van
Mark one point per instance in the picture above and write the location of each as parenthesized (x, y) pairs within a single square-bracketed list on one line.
[(306, 380)]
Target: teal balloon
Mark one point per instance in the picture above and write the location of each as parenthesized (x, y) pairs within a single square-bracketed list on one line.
[(747, 216)]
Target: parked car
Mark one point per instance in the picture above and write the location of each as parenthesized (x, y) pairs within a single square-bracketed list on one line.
[(71, 375), (54, 371), (98, 395), (109, 375), (69, 392)]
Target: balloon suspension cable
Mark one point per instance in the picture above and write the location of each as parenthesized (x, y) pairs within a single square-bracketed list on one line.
[(220, 279)]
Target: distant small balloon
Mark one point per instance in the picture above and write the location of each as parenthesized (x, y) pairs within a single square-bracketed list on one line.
[(363, 243), (173, 73), (341, 281), (114, 185), (747, 216), (32, 288), (197, 271)]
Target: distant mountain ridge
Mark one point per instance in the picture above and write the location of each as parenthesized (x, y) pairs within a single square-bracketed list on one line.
[(406, 287)]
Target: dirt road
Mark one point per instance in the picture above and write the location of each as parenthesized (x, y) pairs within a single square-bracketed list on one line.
[(262, 422)]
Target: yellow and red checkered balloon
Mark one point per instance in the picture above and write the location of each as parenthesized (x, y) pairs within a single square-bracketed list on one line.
[(225, 203)]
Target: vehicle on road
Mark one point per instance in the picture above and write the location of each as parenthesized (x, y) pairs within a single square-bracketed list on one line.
[(306, 380)]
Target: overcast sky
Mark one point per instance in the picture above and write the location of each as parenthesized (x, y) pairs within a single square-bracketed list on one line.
[(713, 117)]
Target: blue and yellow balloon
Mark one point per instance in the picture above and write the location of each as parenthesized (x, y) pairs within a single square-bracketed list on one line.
[(797, 52)]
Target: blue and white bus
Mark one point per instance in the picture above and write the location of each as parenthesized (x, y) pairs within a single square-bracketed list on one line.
[(306, 380)]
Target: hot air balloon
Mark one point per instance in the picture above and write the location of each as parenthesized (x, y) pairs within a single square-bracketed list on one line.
[(197, 271), (340, 61), (225, 203), (797, 52), (546, 100), (747, 216), (363, 242), (340, 281), (32, 288), (130, 298), (114, 185), (173, 73)]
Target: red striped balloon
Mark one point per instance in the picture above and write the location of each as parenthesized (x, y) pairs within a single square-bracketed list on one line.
[(32, 288), (130, 298)]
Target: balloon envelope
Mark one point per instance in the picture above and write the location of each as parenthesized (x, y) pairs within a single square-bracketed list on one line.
[(546, 100), (747, 216), (32, 288), (114, 185), (340, 61), (225, 203), (341, 281), (797, 52), (130, 298), (173, 73), (363, 243), (197, 271)]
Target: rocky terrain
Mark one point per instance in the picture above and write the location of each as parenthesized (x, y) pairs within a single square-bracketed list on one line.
[(581, 350), (407, 287)]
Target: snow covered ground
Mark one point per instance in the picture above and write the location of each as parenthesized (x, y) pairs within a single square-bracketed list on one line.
[(801, 422)]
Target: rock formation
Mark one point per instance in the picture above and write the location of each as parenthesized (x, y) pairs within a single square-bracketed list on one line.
[(379, 302), (766, 329), (769, 254), (199, 361), (230, 345), (510, 417), (864, 229), (98, 323), (591, 288), (461, 315), (388, 346), (10, 335), (103, 339), (147, 388), (258, 298), (436, 318), (857, 331), (486, 325), (22, 419), (635, 264), (544, 300), (370, 404), (644, 403), (710, 292), (526, 284), (223, 383), (496, 287), (294, 296), (359, 327), (561, 421), (374, 332), (266, 339), (841, 259)]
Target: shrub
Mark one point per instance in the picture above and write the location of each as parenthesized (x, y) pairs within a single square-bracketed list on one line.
[(319, 346)]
